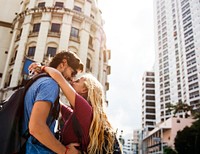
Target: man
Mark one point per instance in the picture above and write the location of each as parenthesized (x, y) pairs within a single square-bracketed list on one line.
[(39, 100)]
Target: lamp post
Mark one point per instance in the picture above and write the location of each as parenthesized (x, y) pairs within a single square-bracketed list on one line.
[(121, 139)]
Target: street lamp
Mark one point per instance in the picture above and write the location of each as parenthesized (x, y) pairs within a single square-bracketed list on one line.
[(121, 139)]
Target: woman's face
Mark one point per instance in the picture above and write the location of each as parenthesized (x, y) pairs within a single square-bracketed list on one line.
[(79, 85)]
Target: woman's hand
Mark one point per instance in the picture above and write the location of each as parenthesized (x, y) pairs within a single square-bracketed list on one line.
[(71, 148), (35, 68)]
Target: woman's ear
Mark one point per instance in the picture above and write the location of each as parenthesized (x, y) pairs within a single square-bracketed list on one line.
[(84, 90), (84, 93)]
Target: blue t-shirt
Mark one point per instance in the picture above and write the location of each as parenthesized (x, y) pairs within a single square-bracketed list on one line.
[(43, 89)]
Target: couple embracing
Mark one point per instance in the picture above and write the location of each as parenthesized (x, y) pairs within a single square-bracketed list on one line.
[(86, 99)]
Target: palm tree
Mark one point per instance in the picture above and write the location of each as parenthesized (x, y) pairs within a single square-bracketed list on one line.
[(180, 107)]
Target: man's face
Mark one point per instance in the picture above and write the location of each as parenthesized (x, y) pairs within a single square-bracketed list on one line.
[(68, 72)]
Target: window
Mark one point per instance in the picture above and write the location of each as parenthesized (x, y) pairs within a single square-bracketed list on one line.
[(88, 64), (189, 47), (59, 4), (55, 27), (74, 32), (36, 27), (77, 8), (193, 86), (51, 51), (192, 78), (190, 54), (31, 51), (90, 40), (194, 94), (42, 4)]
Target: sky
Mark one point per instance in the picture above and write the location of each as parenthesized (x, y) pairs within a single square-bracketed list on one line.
[(130, 37)]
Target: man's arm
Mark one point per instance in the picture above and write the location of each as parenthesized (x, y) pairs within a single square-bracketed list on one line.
[(40, 130)]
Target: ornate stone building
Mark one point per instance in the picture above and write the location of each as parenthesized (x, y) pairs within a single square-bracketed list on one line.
[(38, 29)]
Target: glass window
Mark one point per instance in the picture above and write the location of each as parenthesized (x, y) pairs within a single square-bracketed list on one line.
[(90, 40), (59, 4), (77, 8), (42, 4), (31, 51), (36, 27), (51, 51), (55, 27), (88, 64), (74, 32)]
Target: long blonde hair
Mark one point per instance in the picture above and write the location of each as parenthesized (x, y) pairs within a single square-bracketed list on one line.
[(101, 132)]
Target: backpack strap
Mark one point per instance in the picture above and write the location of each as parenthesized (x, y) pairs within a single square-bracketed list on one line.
[(54, 111), (78, 131)]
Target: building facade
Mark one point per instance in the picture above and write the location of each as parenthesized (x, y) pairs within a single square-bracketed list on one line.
[(7, 14), (38, 29), (164, 135), (148, 102), (177, 40)]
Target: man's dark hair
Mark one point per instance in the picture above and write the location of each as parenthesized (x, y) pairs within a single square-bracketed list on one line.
[(72, 60)]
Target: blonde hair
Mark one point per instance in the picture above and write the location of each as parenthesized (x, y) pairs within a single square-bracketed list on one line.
[(101, 132)]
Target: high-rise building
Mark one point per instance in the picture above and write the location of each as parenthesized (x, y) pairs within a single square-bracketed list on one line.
[(148, 102), (177, 39), (38, 29)]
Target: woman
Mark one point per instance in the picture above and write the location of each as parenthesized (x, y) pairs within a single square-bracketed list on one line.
[(98, 136)]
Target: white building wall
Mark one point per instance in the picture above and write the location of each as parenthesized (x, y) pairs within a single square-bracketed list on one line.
[(88, 21), (176, 27), (7, 13)]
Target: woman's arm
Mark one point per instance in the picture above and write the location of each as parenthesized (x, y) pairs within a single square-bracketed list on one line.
[(67, 89)]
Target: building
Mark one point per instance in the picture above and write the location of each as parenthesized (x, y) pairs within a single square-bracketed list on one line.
[(7, 14), (164, 135), (177, 41), (136, 141), (128, 147), (148, 102), (36, 30)]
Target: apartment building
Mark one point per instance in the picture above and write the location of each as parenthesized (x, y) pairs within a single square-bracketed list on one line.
[(177, 41), (148, 102), (35, 30)]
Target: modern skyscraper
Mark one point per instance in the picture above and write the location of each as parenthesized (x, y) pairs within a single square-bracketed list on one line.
[(177, 39), (38, 29)]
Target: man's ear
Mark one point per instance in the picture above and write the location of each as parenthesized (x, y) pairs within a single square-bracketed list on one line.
[(62, 64)]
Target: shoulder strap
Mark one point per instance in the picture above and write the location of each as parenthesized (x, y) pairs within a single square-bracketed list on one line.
[(33, 79), (54, 111), (78, 130)]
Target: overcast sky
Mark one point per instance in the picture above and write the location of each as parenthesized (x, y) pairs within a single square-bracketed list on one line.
[(130, 37)]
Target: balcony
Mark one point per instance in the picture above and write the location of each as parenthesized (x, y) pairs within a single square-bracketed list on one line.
[(54, 34)]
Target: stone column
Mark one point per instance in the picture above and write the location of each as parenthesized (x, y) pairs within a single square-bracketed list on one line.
[(42, 37), (65, 32), (21, 52), (84, 39), (96, 46), (69, 4), (87, 8)]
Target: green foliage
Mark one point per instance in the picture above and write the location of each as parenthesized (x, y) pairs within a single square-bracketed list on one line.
[(169, 150), (187, 141)]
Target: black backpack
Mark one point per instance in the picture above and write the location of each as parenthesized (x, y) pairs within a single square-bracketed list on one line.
[(117, 149), (11, 112)]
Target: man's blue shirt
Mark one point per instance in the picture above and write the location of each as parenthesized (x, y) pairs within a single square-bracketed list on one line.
[(43, 89)]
